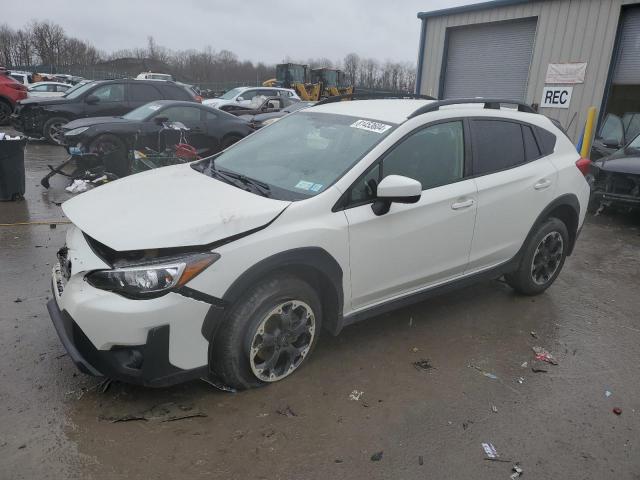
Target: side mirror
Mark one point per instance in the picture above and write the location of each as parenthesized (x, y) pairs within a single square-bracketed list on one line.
[(239, 99), (398, 189), (160, 120), (611, 143), (92, 99)]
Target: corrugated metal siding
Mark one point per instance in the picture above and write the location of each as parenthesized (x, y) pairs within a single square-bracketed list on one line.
[(568, 31), (470, 72), (627, 70)]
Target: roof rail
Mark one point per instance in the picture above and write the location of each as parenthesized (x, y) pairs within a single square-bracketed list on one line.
[(371, 96), (493, 103)]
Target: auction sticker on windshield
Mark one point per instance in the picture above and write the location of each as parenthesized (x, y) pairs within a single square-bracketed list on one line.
[(370, 126)]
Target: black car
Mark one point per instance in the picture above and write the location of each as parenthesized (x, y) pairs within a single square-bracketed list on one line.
[(209, 130), (615, 180), (615, 133), (262, 119), (37, 117)]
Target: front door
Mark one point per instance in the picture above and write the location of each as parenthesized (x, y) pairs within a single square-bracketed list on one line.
[(413, 246), (110, 101)]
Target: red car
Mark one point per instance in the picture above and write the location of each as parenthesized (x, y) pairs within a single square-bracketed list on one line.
[(10, 92)]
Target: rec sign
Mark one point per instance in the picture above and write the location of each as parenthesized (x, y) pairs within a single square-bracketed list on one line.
[(556, 97)]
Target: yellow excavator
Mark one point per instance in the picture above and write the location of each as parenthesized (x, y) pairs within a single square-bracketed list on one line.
[(309, 85)]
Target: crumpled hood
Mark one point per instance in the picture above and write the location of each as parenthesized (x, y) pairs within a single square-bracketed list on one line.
[(618, 164), (91, 121), (169, 207)]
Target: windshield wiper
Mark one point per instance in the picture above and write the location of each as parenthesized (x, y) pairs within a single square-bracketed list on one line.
[(245, 182)]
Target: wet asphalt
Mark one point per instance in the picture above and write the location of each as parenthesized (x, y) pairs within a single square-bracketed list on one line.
[(56, 423)]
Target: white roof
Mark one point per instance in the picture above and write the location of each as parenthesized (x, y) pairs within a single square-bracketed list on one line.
[(386, 110)]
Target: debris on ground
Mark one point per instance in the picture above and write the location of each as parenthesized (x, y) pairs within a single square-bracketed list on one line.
[(17, 300), (544, 356), (214, 382), (524, 364), (520, 380), (517, 471), (489, 450), (534, 334), (164, 412), (494, 409), (286, 412), (466, 424), (104, 385), (486, 374), (414, 349), (420, 460), (79, 186), (538, 367), (410, 321), (617, 410), (607, 393), (423, 364), (338, 460), (355, 395), (376, 457)]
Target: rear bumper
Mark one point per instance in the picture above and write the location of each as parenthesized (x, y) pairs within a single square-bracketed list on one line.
[(146, 365)]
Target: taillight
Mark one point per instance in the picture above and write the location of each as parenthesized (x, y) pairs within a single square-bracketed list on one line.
[(584, 165)]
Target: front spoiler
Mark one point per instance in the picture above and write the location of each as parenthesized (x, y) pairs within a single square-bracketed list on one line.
[(154, 370)]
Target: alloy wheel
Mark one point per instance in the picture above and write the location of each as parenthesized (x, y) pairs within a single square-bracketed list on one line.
[(56, 133), (282, 340), (547, 258)]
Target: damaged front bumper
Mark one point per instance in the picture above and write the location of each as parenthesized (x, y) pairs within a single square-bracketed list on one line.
[(615, 189)]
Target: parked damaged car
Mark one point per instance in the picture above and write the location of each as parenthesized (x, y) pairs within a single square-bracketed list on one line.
[(260, 104), (37, 117), (208, 130), (262, 119), (615, 133), (615, 180)]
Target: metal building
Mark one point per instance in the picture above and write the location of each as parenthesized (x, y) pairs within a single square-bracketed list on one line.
[(561, 55)]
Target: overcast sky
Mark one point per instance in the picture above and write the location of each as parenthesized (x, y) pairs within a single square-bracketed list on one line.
[(255, 30)]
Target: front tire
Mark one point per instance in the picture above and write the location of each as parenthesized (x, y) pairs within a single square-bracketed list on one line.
[(543, 258), (52, 130), (268, 334)]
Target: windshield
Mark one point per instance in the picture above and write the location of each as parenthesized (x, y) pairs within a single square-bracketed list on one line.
[(635, 143), (76, 92), (231, 93), (302, 154), (143, 112)]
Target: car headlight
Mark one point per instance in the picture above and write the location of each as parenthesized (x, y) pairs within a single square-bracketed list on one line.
[(151, 280), (76, 131)]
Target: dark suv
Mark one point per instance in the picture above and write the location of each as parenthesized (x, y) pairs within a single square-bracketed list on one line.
[(38, 117)]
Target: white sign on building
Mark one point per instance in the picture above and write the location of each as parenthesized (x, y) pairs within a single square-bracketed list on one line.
[(556, 97), (570, 73)]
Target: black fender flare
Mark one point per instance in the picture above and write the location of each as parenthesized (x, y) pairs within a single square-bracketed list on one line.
[(308, 262)]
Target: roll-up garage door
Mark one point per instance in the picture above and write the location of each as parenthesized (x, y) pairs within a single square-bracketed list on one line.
[(489, 59), (627, 71)]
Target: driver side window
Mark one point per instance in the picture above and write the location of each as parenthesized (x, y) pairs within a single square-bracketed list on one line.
[(433, 155)]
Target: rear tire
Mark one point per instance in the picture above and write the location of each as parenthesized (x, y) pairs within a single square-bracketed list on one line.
[(268, 334), (543, 258), (52, 130), (5, 112)]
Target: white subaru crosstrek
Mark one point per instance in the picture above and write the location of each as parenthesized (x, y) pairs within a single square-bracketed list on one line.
[(231, 266)]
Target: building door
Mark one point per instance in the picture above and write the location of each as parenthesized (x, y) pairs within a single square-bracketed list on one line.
[(488, 60)]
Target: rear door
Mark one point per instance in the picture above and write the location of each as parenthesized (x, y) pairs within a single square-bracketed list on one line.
[(142, 93), (415, 245), (516, 181), (111, 101)]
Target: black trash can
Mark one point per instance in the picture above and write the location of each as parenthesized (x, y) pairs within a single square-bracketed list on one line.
[(12, 182)]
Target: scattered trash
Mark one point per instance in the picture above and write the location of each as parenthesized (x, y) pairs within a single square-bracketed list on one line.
[(262, 415), (520, 380), (489, 450), (355, 395), (494, 409), (17, 300), (423, 364), (22, 446), (420, 460), (543, 355), (607, 393), (524, 364), (376, 457), (617, 410), (517, 471), (286, 412), (338, 460), (78, 186), (486, 374), (534, 334), (414, 349), (466, 424), (538, 367), (128, 418), (165, 412)]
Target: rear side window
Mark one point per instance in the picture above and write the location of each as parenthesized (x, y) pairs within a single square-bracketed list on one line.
[(546, 140), (140, 92), (497, 145), (175, 92)]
